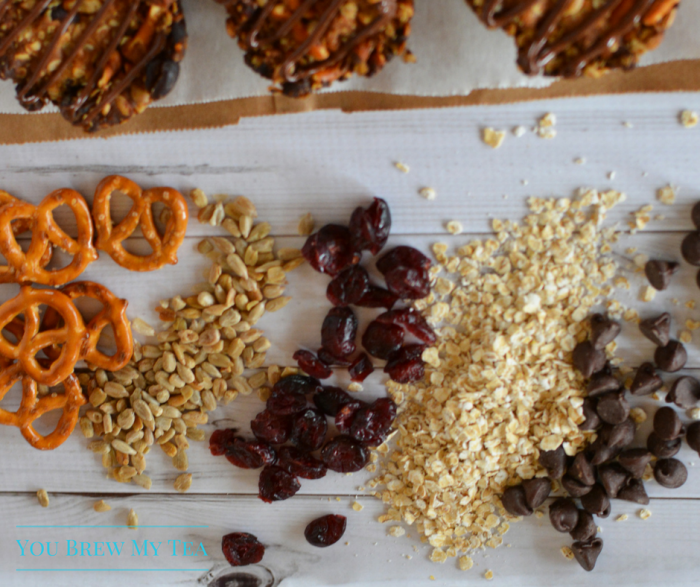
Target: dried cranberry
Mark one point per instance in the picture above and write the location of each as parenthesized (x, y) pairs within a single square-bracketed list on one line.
[(297, 384), (331, 360), (309, 429), (221, 441), (326, 530), (403, 257), (311, 364), (406, 365), (276, 484), (382, 340), (369, 228), (361, 368), (330, 249), (300, 463), (413, 321), (241, 549), (271, 428), (345, 415), (378, 297), (250, 454), (408, 283), (330, 399), (348, 286), (339, 331), (285, 404), (344, 455), (372, 423)]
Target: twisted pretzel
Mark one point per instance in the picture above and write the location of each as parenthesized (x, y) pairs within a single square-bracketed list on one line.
[(113, 312), (110, 237)]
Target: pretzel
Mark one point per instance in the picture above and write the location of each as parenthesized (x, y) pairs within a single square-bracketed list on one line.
[(70, 335), (113, 312), (32, 408), (28, 266), (110, 237)]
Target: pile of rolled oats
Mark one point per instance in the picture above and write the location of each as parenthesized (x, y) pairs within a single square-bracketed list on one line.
[(499, 384), (164, 393)]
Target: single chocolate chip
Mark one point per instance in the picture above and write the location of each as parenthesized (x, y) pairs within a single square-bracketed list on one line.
[(603, 331), (582, 470), (635, 460), (646, 381), (554, 461), (613, 408), (671, 358), (670, 473), (693, 436), (537, 491), (592, 420), (602, 453), (563, 514), (620, 435), (596, 501), (573, 487), (613, 477), (690, 248), (695, 215), (601, 383), (634, 491), (657, 329), (587, 553), (514, 501), (587, 359), (685, 392), (586, 527), (667, 424), (659, 273), (663, 449)]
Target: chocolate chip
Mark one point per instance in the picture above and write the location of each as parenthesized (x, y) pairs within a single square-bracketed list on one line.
[(635, 460), (601, 383), (659, 273), (695, 215), (602, 453), (587, 359), (670, 473), (693, 436), (603, 331), (537, 491), (586, 527), (573, 487), (592, 420), (613, 408), (657, 329), (690, 248), (646, 380), (596, 501), (667, 424), (663, 449), (634, 491), (554, 461), (620, 435), (685, 392), (563, 514), (514, 501), (587, 553), (582, 470), (672, 357), (613, 477)]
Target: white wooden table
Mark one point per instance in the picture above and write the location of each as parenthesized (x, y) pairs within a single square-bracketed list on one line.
[(328, 163)]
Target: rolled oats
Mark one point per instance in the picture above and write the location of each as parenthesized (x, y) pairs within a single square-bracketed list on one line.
[(101, 506), (43, 498), (132, 520)]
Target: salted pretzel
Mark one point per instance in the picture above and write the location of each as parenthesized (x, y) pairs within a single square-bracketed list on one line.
[(110, 237), (29, 266), (113, 312)]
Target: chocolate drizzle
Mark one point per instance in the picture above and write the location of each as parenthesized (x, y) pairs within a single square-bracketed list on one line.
[(290, 70), (537, 52)]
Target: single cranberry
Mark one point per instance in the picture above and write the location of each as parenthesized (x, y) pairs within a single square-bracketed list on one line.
[(382, 340), (349, 286), (331, 360), (403, 257), (361, 368), (339, 331), (301, 464), (345, 415), (330, 399), (276, 484), (271, 428), (406, 365), (408, 283), (241, 549), (309, 429), (369, 228), (412, 320), (221, 441), (377, 297), (250, 454), (297, 384), (330, 250), (326, 530), (371, 424), (311, 364), (344, 455), (285, 404)]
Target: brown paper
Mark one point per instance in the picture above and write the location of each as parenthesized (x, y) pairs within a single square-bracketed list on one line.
[(677, 76)]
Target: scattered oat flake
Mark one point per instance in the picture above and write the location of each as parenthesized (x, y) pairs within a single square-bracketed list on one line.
[(546, 132), (667, 195), (611, 175), (686, 336), (306, 224), (640, 260), (355, 387), (454, 227), (548, 120), (519, 131), (132, 520), (694, 413), (493, 138), (638, 415), (488, 575), (622, 518), (465, 563), (402, 167), (628, 124), (396, 531), (357, 506), (648, 293), (580, 161), (567, 552), (689, 119), (428, 193), (644, 514), (690, 304), (101, 506), (43, 498)]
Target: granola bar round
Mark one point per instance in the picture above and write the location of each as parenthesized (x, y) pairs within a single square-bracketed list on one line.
[(579, 37), (305, 45), (99, 61)]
